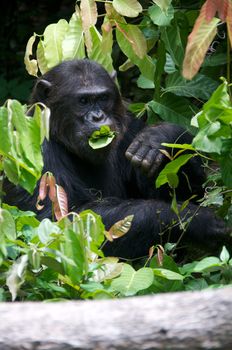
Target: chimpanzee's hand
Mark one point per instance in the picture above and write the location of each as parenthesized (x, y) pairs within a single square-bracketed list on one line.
[(144, 151)]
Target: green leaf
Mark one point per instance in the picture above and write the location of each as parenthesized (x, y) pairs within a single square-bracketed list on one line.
[(199, 87), (16, 275), (224, 255), (169, 275), (101, 138), (145, 65), (98, 53), (163, 4), (128, 8), (173, 109), (207, 263), (134, 37), (73, 250), (46, 229), (73, 44), (130, 281), (172, 168), (161, 17), (172, 36), (7, 225), (54, 35)]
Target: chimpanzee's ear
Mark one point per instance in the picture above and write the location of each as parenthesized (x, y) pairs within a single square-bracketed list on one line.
[(42, 89)]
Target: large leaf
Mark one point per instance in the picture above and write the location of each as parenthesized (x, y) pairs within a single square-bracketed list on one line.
[(128, 8), (73, 43), (20, 140), (172, 36), (172, 168), (173, 109), (161, 17), (163, 4), (200, 86), (134, 37), (54, 35), (97, 52), (145, 65), (198, 44), (130, 282)]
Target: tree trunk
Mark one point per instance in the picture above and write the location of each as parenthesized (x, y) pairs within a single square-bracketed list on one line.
[(187, 320)]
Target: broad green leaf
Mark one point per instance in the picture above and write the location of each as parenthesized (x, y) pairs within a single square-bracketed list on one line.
[(16, 275), (88, 13), (20, 141), (31, 64), (46, 229), (98, 53), (7, 225), (207, 263), (200, 86), (145, 65), (163, 4), (130, 281), (172, 168), (206, 141), (172, 38), (54, 35), (73, 43), (72, 249), (198, 42), (174, 109), (168, 274), (159, 17), (128, 8), (135, 38)]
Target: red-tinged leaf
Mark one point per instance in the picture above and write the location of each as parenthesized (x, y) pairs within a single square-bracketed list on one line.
[(151, 252), (61, 203), (120, 228), (43, 188), (88, 13), (198, 43), (222, 8), (211, 7), (229, 21), (51, 182), (160, 254)]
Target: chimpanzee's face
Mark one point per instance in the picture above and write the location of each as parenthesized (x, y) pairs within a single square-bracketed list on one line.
[(82, 97)]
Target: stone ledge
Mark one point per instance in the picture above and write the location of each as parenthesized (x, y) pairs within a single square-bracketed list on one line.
[(187, 320)]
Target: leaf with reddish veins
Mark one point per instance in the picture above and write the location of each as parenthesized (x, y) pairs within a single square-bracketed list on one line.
[(120, 228), (229, 21), (61, 203), (160, 254), (43, 188), (211, 7), (51, 182), (222, 8), (198, 43)]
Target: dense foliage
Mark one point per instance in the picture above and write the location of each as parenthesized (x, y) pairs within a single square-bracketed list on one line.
[(170, 75)]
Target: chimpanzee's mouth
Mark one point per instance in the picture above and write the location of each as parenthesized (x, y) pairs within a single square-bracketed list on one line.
[(102, 137)]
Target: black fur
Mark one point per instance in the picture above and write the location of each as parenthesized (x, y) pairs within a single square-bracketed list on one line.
[(117, 180)]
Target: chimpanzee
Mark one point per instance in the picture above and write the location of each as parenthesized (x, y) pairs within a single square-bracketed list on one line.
[(119, 179)]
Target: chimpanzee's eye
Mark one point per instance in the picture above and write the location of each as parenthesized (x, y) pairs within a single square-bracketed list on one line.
[(83, 100), (104, 97)]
